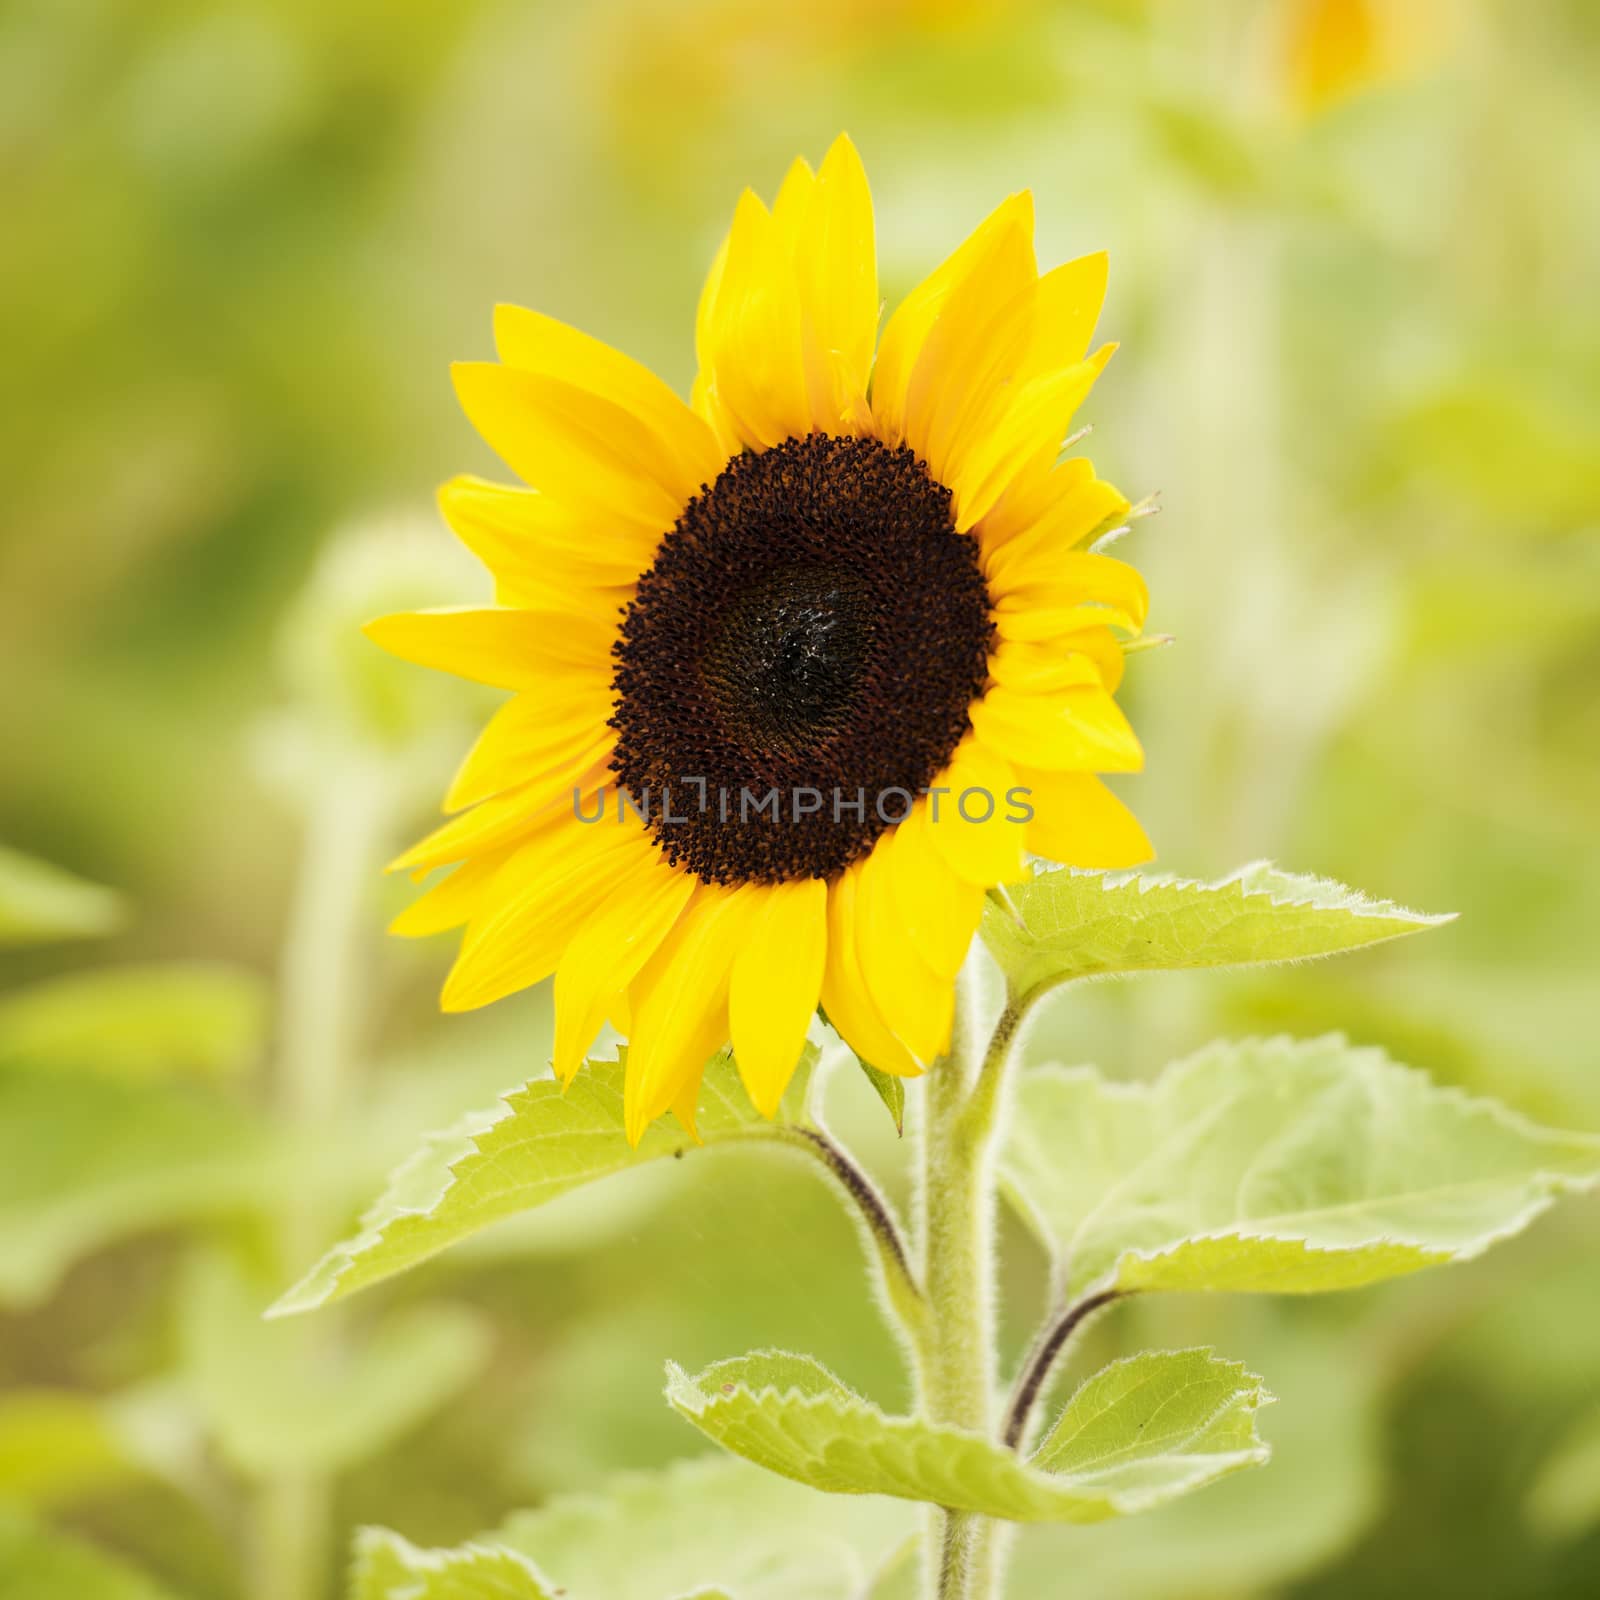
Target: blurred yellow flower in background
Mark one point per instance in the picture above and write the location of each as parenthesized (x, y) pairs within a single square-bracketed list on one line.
[(1335, 49), (800, 669)]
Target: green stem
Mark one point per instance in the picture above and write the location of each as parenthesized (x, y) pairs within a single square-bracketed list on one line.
[(1047, 1350), (318, 1012), (956, 1229)]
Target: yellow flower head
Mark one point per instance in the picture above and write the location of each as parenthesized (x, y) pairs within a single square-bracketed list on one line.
[(800, 669)]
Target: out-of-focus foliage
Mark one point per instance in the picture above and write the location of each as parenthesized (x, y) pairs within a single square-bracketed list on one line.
[(39, 903), (1353, 249)]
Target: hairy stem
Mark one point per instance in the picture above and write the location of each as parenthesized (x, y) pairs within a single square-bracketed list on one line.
[(956, 1232), (1046, 1352)]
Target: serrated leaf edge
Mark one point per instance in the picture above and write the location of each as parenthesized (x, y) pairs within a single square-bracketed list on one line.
[(1353, 901), (1253, 1395), (371, 1537), (340, 1258), (1122, 1502), (335, 1264), (1550, 1185)]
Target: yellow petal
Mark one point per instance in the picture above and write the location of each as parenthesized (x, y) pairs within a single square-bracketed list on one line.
[(510, 648), (680, 1004), (976, 826), (1032, 496), (1054, 623), (1036, 418), (915, 1001), (971, 354), (791, 211), (533, 543), (536, 902), (708, 404), (1079, 822), (617, 938), (1068, 306), (541, 734), (776, 979), (836, 264), (754, 361), (572, 445), (705, 311), (539, 344), (686, 1102), (1073, 578), (703, 396), (845, 998), (511, 816), (1071, 504), (901, 348), (1102, 647), (1068, 730), (1039, 668), (940, 911), (452, 901)]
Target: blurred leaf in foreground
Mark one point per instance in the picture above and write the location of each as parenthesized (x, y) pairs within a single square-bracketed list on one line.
[(39, 902)]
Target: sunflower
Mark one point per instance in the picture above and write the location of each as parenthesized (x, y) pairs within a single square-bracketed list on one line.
[(800, 669)]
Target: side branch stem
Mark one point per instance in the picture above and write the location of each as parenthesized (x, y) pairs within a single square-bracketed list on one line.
[(1035, 1374)]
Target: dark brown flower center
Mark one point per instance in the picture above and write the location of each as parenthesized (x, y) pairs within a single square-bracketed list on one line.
[(799, 660)]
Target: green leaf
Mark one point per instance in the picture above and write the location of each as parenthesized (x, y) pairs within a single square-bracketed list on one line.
[(38, 1564), (1275, 1166), (387, 1567), (39, 902), (1063, 924), (200, 1019), (889, 1089), (1256, 1533), (86, 1160), (537, 1143), (713, 1528), (275, 1402), (1141, 1432)]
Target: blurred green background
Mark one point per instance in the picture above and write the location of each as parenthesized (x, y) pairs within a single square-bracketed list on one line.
[(1354, 253)]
